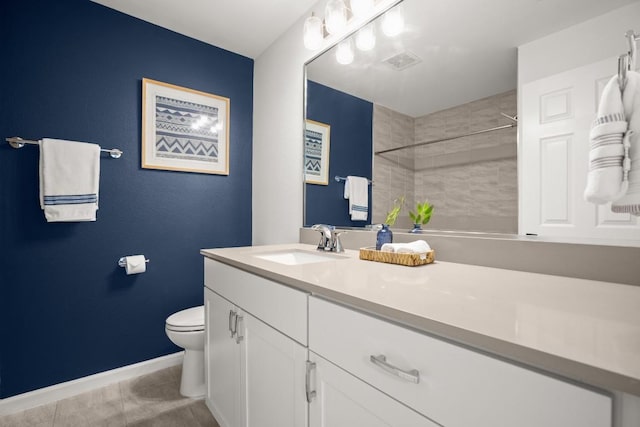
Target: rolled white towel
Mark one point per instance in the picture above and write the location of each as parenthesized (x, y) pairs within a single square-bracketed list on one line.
[(417, 247), (388, 247)]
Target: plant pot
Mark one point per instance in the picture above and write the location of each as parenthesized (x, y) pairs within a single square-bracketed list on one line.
[(417, 229)]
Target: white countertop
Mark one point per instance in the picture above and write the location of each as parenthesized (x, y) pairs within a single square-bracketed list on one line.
[(585, 330)]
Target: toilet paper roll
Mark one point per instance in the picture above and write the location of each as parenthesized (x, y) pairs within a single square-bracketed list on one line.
[(135, 264)]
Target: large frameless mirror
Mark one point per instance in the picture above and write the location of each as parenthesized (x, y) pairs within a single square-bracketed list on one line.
[(432, 113)]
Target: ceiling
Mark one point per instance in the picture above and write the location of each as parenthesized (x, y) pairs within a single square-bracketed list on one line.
[(467, 51), (247, 27), (467, 48)]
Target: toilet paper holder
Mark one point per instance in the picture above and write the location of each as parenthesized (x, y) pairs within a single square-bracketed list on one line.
[(122, 262)]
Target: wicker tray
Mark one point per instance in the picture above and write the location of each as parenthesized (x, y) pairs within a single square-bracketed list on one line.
[(411, 260)]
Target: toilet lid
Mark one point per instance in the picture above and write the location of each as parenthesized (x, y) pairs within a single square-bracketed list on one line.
[(190, 319)]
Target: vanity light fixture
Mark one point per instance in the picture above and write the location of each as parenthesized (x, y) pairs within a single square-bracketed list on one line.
[(313, 33), (337, 16), (361, 8), (335, 13), (344, 52), (393, 22), (365, 38)]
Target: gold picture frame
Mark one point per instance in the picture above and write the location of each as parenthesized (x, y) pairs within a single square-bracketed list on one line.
[(184, 129), (317, 143)]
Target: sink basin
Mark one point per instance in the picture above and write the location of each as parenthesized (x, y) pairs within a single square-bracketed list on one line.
[(298, 257)]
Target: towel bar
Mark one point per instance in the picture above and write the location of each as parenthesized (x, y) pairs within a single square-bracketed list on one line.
[(342, 178), (17, 142)]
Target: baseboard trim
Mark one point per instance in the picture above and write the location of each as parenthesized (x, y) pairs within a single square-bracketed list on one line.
[(56, 392)]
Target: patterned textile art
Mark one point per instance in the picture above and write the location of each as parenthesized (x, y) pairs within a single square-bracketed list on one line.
[(313, 152), (178, 136)]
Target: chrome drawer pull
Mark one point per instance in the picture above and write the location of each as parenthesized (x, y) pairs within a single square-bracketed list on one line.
[(310, 393), (232, 315), (381, 361), (235, 329)]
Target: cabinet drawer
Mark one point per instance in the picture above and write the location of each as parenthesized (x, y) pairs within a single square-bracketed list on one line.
[(279, 306), (343, 400), (457, 387)]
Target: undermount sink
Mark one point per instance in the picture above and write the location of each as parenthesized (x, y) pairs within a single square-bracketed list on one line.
[(298, 257)]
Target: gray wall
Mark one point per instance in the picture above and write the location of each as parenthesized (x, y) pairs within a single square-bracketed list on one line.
[(471, 181)]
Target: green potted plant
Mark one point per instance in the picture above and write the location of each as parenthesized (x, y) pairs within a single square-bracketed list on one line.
[(384, 234), (421, 216)]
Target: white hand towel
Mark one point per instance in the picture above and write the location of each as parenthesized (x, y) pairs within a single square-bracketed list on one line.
[(630, 202), (356, 189), (69, 180), (416, 247), (388, 247), (606, 155)]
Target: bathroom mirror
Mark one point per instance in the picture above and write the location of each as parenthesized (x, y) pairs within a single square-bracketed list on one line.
[(446, 88)]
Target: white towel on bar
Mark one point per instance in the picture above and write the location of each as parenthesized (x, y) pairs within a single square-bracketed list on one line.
[(630, 202), (69, 180), (606, 178), (356, 189)]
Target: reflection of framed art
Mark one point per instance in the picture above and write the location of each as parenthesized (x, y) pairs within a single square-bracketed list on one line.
[(184, 129), (316, 153)]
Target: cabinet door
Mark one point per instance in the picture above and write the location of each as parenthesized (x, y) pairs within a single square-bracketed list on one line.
[(342, 400), (273, 376), (222, 361)]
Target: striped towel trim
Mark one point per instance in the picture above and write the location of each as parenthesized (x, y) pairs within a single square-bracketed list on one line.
[(606, 162), (630, 209), (359, 208), (71, 199), (609, 118), (609, 139)]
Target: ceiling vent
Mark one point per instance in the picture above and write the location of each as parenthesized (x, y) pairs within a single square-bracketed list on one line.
[(402, 60)]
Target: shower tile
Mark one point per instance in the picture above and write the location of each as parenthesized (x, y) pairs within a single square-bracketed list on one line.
[(508, 102)]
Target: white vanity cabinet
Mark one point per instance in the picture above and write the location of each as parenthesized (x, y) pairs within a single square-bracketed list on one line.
[(254, 367), (451, 385)]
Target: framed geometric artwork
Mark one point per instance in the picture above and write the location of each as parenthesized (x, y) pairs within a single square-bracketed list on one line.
[(184, 129), (316, 152)]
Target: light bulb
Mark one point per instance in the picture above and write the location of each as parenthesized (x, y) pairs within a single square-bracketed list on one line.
[(365, 38), (361, 8), (312, 33), (393, 22), (344, 52), (335, 15)]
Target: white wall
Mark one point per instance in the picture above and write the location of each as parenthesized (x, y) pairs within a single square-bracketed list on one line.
[(585, 43), (278, 132)]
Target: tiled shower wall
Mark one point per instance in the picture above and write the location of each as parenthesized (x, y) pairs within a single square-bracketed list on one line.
[(471, 181), (393, 173)]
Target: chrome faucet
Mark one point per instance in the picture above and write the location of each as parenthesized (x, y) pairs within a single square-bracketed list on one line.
[(329, 238)]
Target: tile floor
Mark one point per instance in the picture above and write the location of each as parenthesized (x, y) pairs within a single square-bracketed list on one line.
[(150, 400)]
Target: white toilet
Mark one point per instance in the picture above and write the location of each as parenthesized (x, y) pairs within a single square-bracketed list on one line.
[(186, 329)]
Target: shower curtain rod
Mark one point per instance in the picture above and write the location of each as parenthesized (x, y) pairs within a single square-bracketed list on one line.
[(419, 144)]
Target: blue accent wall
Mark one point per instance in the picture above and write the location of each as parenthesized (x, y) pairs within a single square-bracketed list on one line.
[(73, 69), (351, 121)]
